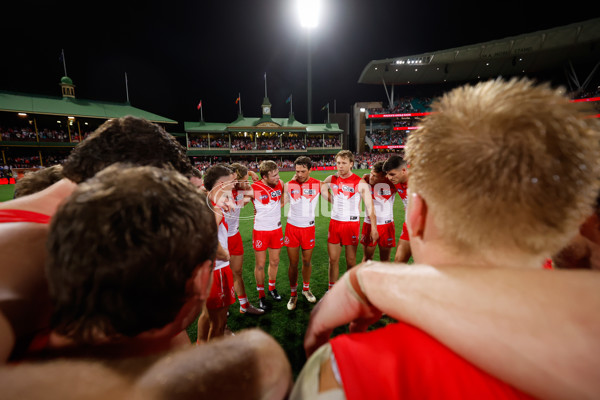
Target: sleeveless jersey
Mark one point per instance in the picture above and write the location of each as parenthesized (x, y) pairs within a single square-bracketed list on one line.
[(383, 195), (267, 206), (400, 361), (232, 218), (303, 201), (346, 199)]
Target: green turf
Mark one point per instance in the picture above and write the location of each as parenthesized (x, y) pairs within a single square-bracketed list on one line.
[(6, 192), (288, 327)]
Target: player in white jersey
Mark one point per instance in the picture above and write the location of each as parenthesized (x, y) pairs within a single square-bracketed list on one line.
[(234, 238), (383, 192), (302, 195), (267, 195), (347, 189), (396, 171), (218, 182)]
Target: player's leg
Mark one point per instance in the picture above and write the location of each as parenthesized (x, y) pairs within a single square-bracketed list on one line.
[(351, 255), (384, 253), (403, 251), (273, 267), (306, 273), (368, 252), (334, 251), (259, 273), (294, 256)]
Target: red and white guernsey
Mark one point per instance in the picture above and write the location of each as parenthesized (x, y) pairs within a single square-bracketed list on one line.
[(346, 198), (383, 194), (232, 218), (267, 206), (402, 189), (303, 201)]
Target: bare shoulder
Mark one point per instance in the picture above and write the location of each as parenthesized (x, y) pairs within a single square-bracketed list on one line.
[(210, 369)]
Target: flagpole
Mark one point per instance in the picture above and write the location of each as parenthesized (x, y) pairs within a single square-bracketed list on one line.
[(240, 102), (266, 85), (291, 104), (201, 111), (64, 61), (126, 88)]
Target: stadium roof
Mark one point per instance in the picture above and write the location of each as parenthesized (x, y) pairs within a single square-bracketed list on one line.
[(529, 53), (260, 125), (39, 104)]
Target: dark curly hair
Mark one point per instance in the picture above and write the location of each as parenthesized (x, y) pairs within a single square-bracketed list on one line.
[(131, 140), (122, 248)]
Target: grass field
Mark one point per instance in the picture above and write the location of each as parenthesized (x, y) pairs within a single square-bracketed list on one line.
[(287, 327)]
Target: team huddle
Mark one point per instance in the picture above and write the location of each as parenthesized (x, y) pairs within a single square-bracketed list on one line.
[(229, 190)]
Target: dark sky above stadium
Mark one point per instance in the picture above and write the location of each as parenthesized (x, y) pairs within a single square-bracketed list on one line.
[(176, 53)]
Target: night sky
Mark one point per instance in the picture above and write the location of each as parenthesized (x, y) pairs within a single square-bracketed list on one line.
[(176, 53)]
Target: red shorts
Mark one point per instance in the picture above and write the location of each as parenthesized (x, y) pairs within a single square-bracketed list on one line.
[(404, 235), (235, 245), (387, 235), (343, 232), (222, 293), (295, 237), (263, 240)]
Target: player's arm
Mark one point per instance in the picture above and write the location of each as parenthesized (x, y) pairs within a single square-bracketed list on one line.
[(326, 189), (365, 194), (286, 194), (535, 329), (283, 199), (222, 253), (254, 176)]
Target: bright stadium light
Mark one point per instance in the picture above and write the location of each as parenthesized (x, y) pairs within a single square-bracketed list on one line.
[(309, 11)]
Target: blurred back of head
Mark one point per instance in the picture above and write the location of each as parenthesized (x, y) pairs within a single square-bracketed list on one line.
[(36, 181), (131, 140), (122, 248), (520, 161)]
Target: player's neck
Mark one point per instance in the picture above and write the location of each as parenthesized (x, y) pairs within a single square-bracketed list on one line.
[(346, 175)]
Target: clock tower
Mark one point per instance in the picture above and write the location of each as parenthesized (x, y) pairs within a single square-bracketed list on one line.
[(266, 107)]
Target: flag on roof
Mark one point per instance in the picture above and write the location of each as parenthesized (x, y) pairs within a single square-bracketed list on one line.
[(326, 106), (237, 100), (200, 105), (288, 99)]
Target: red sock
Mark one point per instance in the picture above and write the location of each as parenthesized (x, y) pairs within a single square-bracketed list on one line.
[(294, 290), (243, 302), (305, 286), (271, 284), (331, 285), (261, 291)]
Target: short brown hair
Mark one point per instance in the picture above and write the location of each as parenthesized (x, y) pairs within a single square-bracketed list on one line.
[(131, 140), (122, 248), (267, 166), (303, 160), (521, 160), (213, 174), (240, 170), (35, 181), (378, 167), (345, 154)]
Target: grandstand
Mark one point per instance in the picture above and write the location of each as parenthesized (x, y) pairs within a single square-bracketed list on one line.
[(573, 48)]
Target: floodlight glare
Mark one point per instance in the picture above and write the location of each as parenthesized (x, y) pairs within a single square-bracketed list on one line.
[(309, 10)]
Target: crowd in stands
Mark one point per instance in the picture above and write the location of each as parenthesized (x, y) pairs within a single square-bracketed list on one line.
[(387, 138), (27, 134), (265, 143)]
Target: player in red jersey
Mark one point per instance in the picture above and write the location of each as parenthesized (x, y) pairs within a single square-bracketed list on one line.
[(396, 171), (347, 190), (218, 181), (383, 192), (523, 164), (234, 237), (267, 195), (302, 195)]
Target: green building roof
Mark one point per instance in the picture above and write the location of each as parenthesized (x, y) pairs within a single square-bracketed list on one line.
[(242, 124), (40, 104)]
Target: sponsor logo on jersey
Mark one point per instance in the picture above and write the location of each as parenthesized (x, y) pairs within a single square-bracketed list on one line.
[(349, 189), (275, 193), (309, 192)]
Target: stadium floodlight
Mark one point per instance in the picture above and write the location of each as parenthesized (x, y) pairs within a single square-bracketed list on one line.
[(309, 11)]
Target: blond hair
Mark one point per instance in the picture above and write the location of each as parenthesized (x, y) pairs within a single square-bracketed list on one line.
[(506, 163), (345, 154), (267, 166)]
